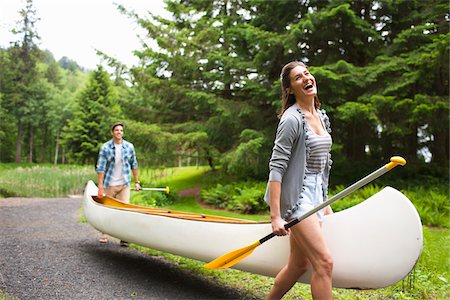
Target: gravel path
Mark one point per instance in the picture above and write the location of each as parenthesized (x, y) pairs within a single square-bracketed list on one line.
[(45, 253)]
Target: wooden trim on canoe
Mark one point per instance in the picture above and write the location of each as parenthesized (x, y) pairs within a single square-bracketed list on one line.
[(115, 203)]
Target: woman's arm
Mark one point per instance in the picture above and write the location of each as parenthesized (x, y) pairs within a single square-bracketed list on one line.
[(276, 220)]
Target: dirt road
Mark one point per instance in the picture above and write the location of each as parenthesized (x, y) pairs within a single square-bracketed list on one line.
[(45, 253)]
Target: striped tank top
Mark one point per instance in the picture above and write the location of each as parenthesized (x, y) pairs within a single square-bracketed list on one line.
[(319, 147)]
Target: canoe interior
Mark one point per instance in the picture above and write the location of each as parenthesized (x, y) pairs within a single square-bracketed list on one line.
[(117, 204)]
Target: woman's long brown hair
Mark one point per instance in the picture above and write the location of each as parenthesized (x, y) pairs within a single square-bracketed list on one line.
[(287, 98)]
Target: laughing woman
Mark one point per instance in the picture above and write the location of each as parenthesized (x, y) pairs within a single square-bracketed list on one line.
[(298, 182)]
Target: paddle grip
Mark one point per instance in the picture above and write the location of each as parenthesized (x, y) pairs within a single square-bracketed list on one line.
[(271, 235), (267, 237), (291, 223)]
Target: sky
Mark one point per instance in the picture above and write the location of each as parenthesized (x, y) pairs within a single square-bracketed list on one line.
[(76, 28)]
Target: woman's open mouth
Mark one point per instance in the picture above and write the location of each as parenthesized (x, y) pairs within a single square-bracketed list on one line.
[(309, 86)]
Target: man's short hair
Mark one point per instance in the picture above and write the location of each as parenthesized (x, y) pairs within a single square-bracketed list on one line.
[(115, 125)]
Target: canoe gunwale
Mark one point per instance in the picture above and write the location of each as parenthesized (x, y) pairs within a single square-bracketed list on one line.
[(110, 202)]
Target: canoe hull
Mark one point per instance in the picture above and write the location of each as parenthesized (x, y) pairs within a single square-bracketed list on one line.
[(374, 244)]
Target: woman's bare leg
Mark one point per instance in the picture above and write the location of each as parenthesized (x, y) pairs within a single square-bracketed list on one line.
[(288, 276), (307, 244), (309, 237)]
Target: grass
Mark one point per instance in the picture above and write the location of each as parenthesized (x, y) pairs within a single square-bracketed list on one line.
[(176, 178), (25, 180), (5, 296)]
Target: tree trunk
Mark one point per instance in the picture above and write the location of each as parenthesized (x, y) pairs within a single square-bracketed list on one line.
[(19, 143), (30, 145), (439, 148), (55, 162), (210, 160), (412, 143)]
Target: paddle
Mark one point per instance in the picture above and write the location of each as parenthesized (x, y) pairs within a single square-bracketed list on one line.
[(232, 258), (166, 189)]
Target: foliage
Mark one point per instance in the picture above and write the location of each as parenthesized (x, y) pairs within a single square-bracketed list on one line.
[(219, 196), (7, 130), (97, 111), (356, 123), (432, 204), (359, 46), (246, 160), (153, 199), (51, 104), (23, 96), (244, 197), (154, 145)]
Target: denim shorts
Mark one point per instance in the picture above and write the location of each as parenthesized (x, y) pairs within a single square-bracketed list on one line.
[(311, 197)]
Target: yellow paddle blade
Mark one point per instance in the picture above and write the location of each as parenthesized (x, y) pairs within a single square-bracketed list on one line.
[(232, 258)]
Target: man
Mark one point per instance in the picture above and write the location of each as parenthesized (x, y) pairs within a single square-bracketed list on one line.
[(116, 162)]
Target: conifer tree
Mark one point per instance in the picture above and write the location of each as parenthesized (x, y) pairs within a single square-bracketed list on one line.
[(24, 95), (96, 111)]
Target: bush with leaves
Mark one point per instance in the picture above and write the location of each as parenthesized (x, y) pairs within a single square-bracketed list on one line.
[(244, 197), (246, 160), (153, 199)]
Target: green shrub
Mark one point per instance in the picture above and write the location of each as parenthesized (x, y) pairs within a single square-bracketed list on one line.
[(249, 200), (244, 197), (218, 196), (431, 203), (153, 199), (246, 161)]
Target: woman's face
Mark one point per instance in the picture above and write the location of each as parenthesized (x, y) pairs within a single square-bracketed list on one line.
[(303, 84)]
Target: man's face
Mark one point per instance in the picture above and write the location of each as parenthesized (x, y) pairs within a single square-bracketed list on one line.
[(117, 132)]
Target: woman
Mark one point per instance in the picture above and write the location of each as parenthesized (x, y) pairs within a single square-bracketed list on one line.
[(298, 181)]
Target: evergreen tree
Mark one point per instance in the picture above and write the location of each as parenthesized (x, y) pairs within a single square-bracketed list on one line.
[(23, 96), (96, 111)]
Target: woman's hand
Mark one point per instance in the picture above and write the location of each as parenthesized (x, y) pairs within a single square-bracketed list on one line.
[(278, 227)]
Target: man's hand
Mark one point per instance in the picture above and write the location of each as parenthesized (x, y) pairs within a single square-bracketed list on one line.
[(138, 186), (101, 192)]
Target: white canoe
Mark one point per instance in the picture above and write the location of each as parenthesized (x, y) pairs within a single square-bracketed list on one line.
[(374, 244)]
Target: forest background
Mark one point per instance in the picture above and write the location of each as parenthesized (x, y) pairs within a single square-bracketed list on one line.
[(209, 94)]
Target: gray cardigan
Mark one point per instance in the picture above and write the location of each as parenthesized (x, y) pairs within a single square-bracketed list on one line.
[(288, 161)]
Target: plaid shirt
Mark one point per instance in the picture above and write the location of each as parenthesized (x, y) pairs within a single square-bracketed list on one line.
[(106, 161)]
